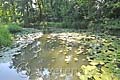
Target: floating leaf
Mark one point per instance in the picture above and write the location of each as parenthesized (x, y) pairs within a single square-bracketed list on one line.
[(94, 63), (83, 77)]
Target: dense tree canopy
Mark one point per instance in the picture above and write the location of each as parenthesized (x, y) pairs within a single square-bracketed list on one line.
[(76, 12)]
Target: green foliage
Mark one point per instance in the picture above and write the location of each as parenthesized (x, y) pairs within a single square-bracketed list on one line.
[(72, 13), (112, 24), (5, 33), (76, 25), (5, 36), (13, 28), (54, 24)]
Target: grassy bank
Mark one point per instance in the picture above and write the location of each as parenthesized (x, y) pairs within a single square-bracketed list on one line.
[(6, 32)]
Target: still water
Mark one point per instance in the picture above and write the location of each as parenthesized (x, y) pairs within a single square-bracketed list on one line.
[(9, 73), (48, 58)]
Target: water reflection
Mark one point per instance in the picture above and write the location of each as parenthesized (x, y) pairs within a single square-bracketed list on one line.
[(9, 73), (46, 59)]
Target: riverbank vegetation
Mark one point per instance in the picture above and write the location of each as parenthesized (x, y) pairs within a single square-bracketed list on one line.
[(6, 33), (99, 17), (5, 36), (62, 13)]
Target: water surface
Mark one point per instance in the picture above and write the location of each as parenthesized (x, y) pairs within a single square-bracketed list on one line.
[(49, 57)]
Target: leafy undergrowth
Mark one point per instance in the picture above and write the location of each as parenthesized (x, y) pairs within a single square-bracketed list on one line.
[(13, 28), (104, 57), (5, 36), (6, 31)]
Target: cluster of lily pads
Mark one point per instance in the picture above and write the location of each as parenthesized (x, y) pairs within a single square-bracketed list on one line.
[(104, 57), (103, 54)]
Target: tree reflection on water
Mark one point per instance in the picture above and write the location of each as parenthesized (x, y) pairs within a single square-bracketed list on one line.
[(47, 60)]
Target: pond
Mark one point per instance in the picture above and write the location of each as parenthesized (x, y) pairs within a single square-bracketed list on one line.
[(54, 56)]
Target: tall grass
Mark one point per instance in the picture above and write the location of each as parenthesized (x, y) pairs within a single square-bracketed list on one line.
[(6, 31), (5, 36)]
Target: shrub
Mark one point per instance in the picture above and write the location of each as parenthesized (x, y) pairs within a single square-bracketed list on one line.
[(52, 24), (13, 28), (5, 36), (76, 24), (67, 24)]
